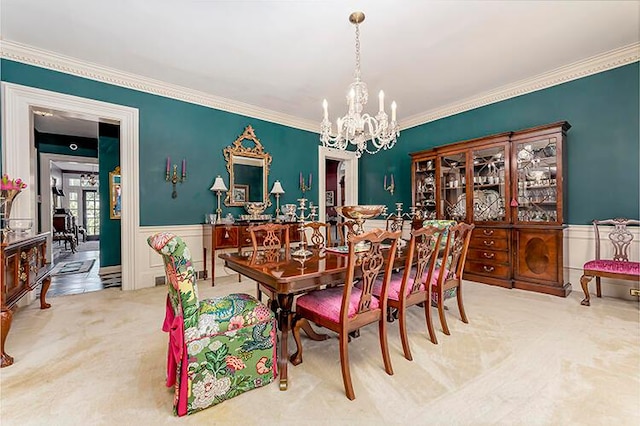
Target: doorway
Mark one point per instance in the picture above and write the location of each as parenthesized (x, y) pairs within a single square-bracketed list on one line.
[(348, 183), (19, 158)]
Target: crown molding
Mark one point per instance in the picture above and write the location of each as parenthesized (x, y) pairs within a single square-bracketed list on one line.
[(53, 61), (595, 64), (45, 59)]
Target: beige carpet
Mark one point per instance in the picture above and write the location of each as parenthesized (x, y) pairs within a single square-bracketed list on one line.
[(524, 359)]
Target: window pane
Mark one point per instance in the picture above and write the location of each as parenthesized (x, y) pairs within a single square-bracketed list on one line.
[(73, 181)]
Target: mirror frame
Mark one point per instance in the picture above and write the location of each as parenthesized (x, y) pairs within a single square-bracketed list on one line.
[(113, 195), (238, 150)]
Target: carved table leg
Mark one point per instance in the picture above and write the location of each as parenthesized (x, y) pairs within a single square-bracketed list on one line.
[(43, 293), (5, 323), (303, 323), (284, 321), (584, 282)]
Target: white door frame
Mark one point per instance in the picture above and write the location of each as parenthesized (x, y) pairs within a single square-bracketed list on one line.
[(19, 155), (350, 177)]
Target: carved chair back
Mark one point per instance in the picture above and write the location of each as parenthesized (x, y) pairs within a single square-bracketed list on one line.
[(620, 237), (269, 236), (369, 262), (422, 251), (455, 251), (346, 230), (395, 223), (318, 238)]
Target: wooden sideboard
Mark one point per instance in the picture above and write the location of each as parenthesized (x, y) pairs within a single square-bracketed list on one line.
[(23, 268), (233, 236)]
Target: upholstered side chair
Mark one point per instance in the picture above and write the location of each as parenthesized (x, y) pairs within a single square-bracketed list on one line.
[(409, 287), (320, 234), (447, 278), (618, 266), (218, 348), (348, 308)]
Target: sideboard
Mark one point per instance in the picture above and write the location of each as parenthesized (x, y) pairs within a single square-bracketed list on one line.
[(23, 268), (233, 236)]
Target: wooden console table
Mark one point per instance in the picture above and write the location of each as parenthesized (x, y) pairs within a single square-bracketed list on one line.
[(233, 236), (23, 267)]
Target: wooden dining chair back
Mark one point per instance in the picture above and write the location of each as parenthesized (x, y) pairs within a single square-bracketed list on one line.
[(320, 235), (395, 222), (348, 308), (447, 278), (409, 286), (268, 240), (346, 230)]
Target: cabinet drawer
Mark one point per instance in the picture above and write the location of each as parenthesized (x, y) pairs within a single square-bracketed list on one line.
[(492, 256), (490, 233), (489, 243), (488, 268), (226, 236)]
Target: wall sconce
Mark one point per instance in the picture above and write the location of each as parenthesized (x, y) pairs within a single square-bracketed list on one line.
[(391, 187), (277, 190), (218, 187), (304, 188), (173, 176)]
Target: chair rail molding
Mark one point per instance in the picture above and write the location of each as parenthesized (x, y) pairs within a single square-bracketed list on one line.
[(19, 155)]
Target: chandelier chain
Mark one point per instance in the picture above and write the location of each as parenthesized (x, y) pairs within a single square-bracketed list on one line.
[(357, 73)]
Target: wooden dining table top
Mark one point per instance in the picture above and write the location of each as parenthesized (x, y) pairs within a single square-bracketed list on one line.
[(286, 273)]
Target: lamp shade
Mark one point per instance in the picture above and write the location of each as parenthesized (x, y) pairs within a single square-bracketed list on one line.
[(218, 185), (277, 188)]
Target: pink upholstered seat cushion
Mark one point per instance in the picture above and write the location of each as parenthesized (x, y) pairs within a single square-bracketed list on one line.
[(615, 266), (394, 285), (327, 302)]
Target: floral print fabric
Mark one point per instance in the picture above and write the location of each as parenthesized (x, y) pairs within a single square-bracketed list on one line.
[(228, 346)]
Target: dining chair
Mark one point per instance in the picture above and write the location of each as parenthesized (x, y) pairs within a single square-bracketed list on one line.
[(219, 348), (267, 240), (346, 230), (395, 222), (446, 281), (347, 308), (617, 262), (318, 238), (407, 287)]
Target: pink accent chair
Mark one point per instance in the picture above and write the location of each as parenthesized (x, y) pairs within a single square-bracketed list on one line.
[(620, 266)]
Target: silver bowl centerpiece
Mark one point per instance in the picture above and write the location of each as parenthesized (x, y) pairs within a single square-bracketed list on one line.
[(360, 213), (255, 208)]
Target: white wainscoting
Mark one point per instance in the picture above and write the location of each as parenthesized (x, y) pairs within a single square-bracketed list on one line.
[(579, 244)]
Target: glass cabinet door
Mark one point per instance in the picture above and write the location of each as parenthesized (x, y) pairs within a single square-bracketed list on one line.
[(453, 203), (489, 184), (425, 188), (536, 176)]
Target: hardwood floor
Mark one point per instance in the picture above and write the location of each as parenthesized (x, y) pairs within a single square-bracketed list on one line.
[(62, 285)]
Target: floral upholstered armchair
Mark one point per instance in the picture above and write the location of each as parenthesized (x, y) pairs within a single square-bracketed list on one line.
[(218, 348)]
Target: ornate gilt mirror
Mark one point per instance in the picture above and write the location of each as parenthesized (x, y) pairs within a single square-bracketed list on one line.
[(248, 169)]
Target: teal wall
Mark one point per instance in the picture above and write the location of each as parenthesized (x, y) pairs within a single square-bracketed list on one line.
[(176, 129), (603, 144), (109, 155)]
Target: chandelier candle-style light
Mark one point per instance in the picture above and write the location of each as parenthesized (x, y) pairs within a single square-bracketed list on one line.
[(356, 127)]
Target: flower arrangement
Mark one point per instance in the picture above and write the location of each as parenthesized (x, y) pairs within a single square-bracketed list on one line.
[(11, 184), (9, 189)]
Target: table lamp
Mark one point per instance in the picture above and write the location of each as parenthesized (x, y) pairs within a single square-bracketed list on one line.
[(277, 190), (218, 187)]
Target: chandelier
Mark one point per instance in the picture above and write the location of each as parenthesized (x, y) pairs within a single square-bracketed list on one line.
[(358, 128)]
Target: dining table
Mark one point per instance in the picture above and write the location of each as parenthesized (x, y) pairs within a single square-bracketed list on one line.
[(288, 275)]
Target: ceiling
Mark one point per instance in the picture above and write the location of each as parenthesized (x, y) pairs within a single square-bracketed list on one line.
[(286, 56)]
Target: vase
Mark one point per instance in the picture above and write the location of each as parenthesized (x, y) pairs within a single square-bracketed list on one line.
[(6, 200)]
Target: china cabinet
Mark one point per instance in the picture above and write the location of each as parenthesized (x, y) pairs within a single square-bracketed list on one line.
[(511, 186)]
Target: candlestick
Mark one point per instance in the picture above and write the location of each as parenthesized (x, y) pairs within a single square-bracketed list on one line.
[(393, 111), (173, 176), (391, 187)]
